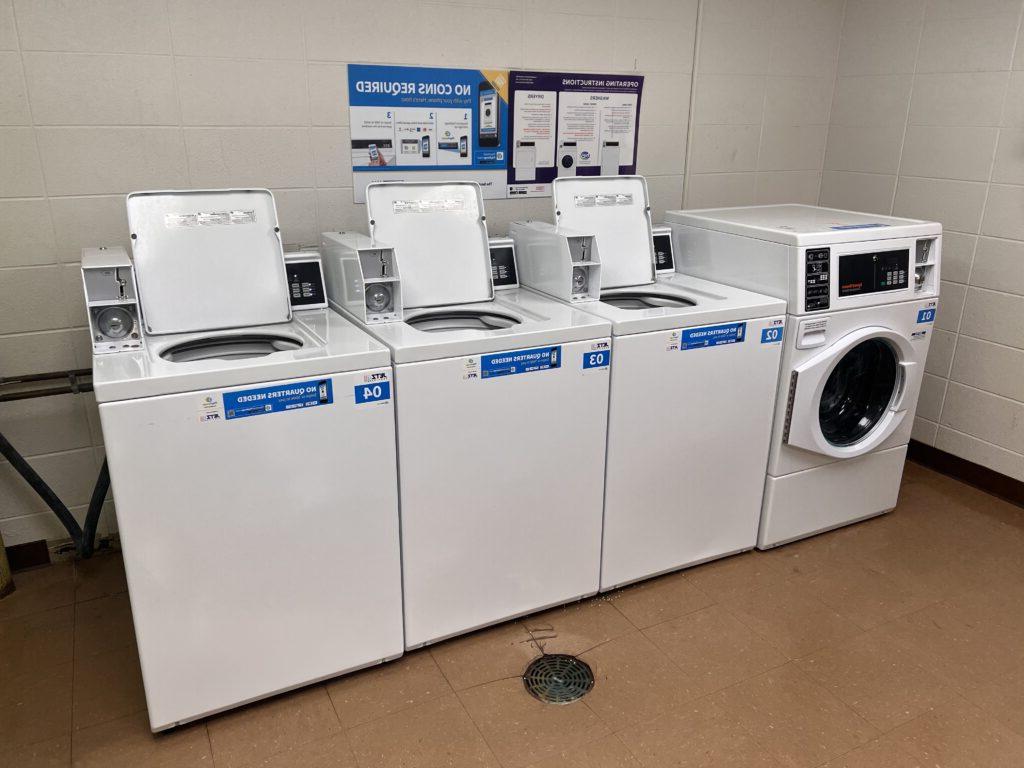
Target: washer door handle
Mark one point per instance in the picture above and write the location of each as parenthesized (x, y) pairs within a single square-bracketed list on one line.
[(906, 368)]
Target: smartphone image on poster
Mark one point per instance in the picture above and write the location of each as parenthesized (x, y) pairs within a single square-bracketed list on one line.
[(488, 133), (374, 154), (464, 146), (425, 146)]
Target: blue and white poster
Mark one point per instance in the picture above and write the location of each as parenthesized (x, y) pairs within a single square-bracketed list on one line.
[(428, 123), (570, 124)]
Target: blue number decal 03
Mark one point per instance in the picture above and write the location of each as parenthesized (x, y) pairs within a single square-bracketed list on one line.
[(599, 359)]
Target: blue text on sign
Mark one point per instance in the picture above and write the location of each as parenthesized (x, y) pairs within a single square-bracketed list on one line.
[(712, 336), (520, 361), (284, 397)]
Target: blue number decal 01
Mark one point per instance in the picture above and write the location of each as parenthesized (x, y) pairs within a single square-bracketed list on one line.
[(926, 315)]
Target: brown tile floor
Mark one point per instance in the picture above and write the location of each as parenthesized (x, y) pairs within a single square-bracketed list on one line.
[(896, 643)]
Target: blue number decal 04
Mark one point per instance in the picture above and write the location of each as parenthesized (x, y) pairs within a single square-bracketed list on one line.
[(373, 393)]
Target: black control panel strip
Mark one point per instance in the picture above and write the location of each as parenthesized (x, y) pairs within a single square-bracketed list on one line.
[(816, 279)]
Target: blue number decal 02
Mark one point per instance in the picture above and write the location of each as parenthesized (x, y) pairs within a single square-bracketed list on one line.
[(771, 335), (596, 359)]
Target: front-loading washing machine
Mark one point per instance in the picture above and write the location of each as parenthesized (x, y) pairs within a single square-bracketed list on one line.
[(862, 292), (694, 370), (252, 458), (501, 417)]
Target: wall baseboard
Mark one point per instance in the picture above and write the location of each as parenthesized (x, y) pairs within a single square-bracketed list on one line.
[(965, 471)]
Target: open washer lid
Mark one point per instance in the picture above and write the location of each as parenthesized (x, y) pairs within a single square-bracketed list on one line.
[(616, 210), (440, 238), (208, 259)]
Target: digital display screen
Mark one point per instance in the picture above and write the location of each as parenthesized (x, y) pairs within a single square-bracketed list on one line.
[(872, 272)]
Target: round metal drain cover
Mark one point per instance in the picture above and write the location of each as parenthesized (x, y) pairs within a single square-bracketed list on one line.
[(557, 678)]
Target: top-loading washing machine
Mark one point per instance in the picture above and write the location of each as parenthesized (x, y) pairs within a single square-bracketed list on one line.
[(694, 372), (501, 415), (252, 457), (862, 292)]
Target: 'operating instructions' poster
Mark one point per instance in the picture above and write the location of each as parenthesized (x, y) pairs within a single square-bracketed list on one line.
[(565, 124), (427, 123)]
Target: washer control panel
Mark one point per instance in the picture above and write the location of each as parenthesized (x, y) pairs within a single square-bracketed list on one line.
[(816, 279)]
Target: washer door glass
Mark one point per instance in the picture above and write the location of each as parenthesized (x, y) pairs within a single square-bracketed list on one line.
[(858, 392)]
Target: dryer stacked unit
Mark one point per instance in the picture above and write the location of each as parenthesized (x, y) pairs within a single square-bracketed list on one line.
[(694, 374), (501, 416), (862, 293), (255, 481)]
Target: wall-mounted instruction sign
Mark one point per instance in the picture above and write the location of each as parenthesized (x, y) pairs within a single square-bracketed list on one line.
[(565, 124), (424, 123)]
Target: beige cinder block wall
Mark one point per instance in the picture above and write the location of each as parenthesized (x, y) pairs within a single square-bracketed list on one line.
[(928, 122), (762, 93), (104, 97)]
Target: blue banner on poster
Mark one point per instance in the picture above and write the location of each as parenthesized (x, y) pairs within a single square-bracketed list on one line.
[(712, 336), (284, 397), (520, 361), (423, 119)]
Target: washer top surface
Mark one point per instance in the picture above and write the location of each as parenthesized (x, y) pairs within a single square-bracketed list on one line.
[(803, 224), (314, 342), (207, 259), (679, 301), (516, 318)]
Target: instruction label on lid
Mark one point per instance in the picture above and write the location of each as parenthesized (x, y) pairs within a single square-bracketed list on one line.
[(520, 361), (597, 201), (429, 206), (209, 218)]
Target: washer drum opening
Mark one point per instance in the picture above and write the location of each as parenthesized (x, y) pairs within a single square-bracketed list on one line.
[(230, 347), (644, 300), (858, 392), (462, 320)]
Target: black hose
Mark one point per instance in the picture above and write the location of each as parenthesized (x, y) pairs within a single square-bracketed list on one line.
[(45, 491), (83, 539), (92, 517)]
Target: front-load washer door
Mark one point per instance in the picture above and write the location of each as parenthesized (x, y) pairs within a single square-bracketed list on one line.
[(848, 399)]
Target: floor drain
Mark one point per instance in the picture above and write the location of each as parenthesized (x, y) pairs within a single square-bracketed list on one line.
[(557, 678)]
